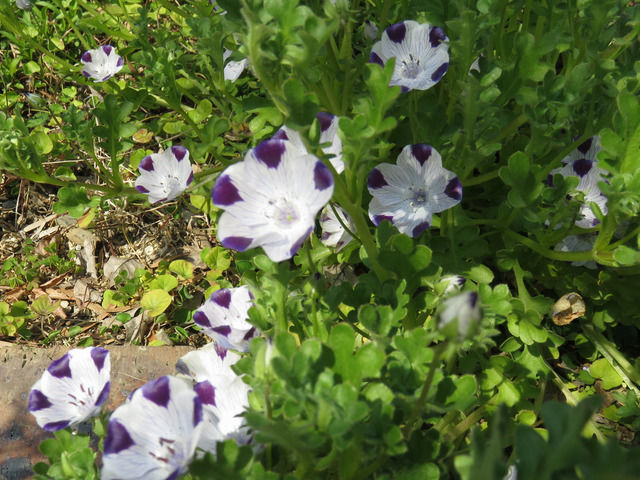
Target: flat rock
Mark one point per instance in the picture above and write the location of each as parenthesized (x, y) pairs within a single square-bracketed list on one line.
[(20, 368)]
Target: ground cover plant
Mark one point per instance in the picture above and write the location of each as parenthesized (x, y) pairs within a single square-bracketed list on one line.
[(407, 232)]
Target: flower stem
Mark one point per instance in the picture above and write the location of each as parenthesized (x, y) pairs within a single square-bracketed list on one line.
[(419, 405)]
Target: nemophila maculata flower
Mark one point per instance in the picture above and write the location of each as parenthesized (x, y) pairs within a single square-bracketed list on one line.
[(223, 317), (223, 394), (101, 63), (333, 233), (72, 389), (582, 163), (328, 134), (411, 191), (271, 199), (155, 433), (234, 68), (421, 53), (451, 283), (463, 310), (164, 176)]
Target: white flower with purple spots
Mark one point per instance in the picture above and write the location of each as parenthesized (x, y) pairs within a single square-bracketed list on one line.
[(328, 134), (451, 283), (155, 433), (223, 394), (72, 389), (224, 317), (234, 68), (102, 63), (410, 192), (463, 310), (582, 163), (333, 233), (164, 176), (421, 54), (271, 199)]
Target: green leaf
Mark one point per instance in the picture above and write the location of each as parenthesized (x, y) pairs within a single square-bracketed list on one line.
[(42, 142), (519, 175), (182, 268), (164, 282), (156, 301), (603, 370), (302, 107)]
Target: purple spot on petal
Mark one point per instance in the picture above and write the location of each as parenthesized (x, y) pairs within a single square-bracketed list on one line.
[(250, 334), (98, 356), (280, 135), (582, 166), (376, 179), (454, 189), (270, 152), (85, 73), (106, 78), (325, 236), (201, 319), (436, 36), (440, 71), (325, 120), (118, 438), (223, 330), (120, 62), (586, 145), (397, 32), (473, 299), (322, 176), (179, 152), (225, 192), (174, 475), (190, 179), (104, 394), (374, 58), (141, 189), (222, 297), (157, 391), (107, 49), (146, 164), (60, 368), (86, 57), (206, 392), (550, 180), (54, 426), (38, 401), (197, 411), (182, 368), (595, 222), (220, 350), (298, 243), (418, 229), (236, 243), (422, 152), (377, 219)]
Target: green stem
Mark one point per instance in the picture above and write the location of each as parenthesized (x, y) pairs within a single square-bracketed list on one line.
[(545, 252), (361, 225), (479, 179), (419, 405), (617, 360), (72, 24)]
